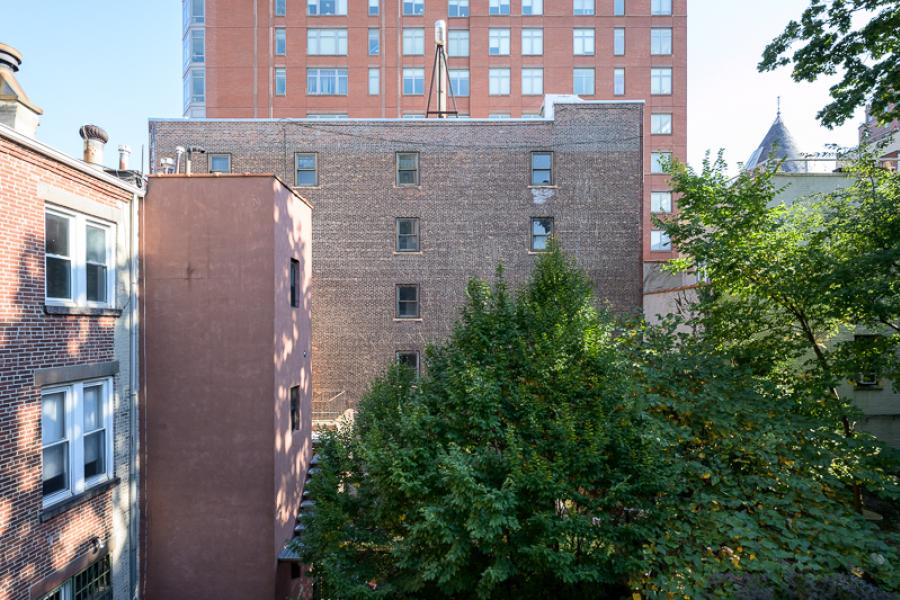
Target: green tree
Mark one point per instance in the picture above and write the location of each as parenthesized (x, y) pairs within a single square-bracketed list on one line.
[(858, 38), (550, 449)]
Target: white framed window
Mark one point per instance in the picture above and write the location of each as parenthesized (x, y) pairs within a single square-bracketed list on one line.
[(458, 42), (458, 8), (618, 8), (659, 241), (374, 41), (197, 86), (326, 82), (374, 7), (532, 7), (582, 41), (220, 163), (374, 81), (583, 81), (658, 161), (661, 202), (532, 41), (661, 81), (326, 7), (195, 47), (280, 41), (80, 254), (413, 41), (618, 82), (532, 82), (280, 81), (194, 12), (459, 82), (661, 41), (413, 8), (76, 438), (498, 82), (583, 7), (661, 124), (498, 7), (280, 8), (326, 42), (498, 41), (619, 41), (660, 7), (414, 82)]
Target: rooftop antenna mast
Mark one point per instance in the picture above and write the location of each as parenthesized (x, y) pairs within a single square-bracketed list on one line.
[(440, 73)]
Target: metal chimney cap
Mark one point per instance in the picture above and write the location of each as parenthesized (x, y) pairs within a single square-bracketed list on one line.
[(10, 56), (93, 132)]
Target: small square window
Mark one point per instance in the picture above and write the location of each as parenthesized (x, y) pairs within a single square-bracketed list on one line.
[(407, 230), (661, 81), (295, 408), (532, 7), (498, 82), (307, 169), (659, 161), (583, 7), (661, 202), (583, 81), (413, 8), (458, 42), (458, 8), (374, 7), (295, 283), (541, 168), (532, 41), (661, 124), (409, 359), (661, 41), (220, 163), (582, 41), (498, 42), (659, 241), (498, 7), (541, 230), (413, 82), (532, 82), (661, 7), (407, 301), (407, 168)]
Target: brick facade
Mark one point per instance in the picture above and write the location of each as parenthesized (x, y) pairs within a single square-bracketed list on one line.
[(32, 551), (474, 204)]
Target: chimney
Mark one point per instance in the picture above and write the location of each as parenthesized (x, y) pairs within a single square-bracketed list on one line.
[(16, 110), (94, 140), (124, 155)]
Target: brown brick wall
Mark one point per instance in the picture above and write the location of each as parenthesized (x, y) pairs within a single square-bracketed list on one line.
[(474, 206)]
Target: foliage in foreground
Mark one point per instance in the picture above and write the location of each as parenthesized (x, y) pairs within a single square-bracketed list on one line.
[(549, 451)]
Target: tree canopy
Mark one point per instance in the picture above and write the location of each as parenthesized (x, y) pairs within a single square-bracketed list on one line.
[(858, 39)]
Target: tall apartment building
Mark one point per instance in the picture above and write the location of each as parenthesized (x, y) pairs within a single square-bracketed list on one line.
[(374, 59)]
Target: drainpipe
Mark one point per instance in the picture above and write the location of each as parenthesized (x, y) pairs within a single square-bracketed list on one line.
[(134, 381)]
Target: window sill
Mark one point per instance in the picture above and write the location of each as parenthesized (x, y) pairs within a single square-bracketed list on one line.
[(543, 187), (868, 388), (63, 505), (85, 311), (418, 320), (418, 253), (538, 252)]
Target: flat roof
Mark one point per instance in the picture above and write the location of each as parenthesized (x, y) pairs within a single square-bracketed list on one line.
[(229, 176)]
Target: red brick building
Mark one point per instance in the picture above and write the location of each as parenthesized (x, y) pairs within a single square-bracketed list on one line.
[(68, 487)]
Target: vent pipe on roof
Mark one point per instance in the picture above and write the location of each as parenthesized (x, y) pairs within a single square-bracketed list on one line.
[(16, 110), (124, 155), (95, 139)]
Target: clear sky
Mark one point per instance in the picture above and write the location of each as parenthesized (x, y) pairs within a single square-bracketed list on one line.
[(116, 63)]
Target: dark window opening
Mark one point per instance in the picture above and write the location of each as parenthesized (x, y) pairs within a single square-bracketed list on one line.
[(295, 408), (295, 282), (407, 302)]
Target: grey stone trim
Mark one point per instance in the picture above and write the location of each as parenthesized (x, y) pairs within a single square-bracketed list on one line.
[(67, 199), (55, 375), (84, 311)]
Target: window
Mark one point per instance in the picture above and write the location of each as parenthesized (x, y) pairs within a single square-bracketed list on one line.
[(661, 40), (198, 49), (458, 42), (619, 8), (661, 124), (407, 235), (660, 7), (326, 7), (541, 168), (328, 42), (583, 82), (295, 283), (532, 82), (541, 230), (661, 202), (280, 8), (498, 7), (498, 82), (220, 163), (413, 82), (413, 41), (583, 41), (94, 583), (659, 160), (583, 7), (660, 242), (459, 82), (532, 7), (619, 82), (407, 168), (413, 7), (409, 360), (80, 259), (532, 42), (458, 8), (374, 41), (280, 41), (306, 167), (498, 42), (374, 81), (619, 41), (76, 437), (280, 81), (326, 82), (295, 408), (198, 85), (197, 11), (407, 302), (374, 8), (661, 82)]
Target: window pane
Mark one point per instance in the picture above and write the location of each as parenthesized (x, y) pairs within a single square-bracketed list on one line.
[(583, 7), (407, 293), (661, 124), (280, 6), (458, 42), (374, 42), (57, 234), (95, 454), (55, 476), (93, 407), (306, 178), (220, 163), (58, 278), (458, 8), (53, 417), (618, 41), (96, 244), (541, 160), (661, 202), (541, 229), (96, 283), (280, 41), (306, 161), (618, 7), (407, 161), (409, 359)]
